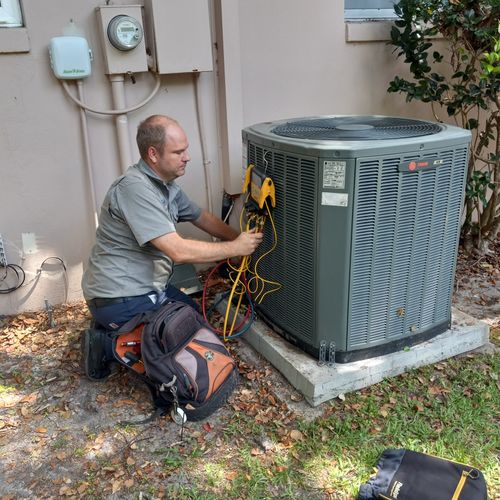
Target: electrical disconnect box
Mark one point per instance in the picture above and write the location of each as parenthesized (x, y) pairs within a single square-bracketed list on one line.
[(122, 38), (172, 47)]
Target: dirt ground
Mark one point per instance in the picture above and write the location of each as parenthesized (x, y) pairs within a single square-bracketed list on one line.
[(477, 287), (64, 436)]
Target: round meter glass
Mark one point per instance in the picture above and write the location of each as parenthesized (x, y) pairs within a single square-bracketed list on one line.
[(124, 32)]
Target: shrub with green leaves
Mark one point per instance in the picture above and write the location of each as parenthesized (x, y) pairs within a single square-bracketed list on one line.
[(464, 80)]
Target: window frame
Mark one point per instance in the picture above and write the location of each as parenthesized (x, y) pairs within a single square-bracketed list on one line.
[(11, 15), (369, 10)]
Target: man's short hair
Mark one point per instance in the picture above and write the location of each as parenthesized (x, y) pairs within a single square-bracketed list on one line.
[(151, 132)]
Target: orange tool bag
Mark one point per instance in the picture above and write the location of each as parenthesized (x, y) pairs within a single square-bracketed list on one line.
[(182, 361)]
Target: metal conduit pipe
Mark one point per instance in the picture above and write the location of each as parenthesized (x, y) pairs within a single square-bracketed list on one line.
[(121, 121)]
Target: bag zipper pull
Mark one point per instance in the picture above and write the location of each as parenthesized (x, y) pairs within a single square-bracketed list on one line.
[(461, 483)]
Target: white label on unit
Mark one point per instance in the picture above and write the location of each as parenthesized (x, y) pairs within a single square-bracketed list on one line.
[(334, 174), (335, 199)]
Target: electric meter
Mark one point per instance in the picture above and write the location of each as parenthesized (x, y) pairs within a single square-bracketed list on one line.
[(125, 32)]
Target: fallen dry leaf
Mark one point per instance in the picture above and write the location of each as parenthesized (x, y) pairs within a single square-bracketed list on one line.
[(231, 474), (82, 488), (207, 427), (116, 486), (296, 435), (124, 402)]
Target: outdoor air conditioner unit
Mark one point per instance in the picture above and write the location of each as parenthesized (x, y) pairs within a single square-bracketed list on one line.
[(368, 219)]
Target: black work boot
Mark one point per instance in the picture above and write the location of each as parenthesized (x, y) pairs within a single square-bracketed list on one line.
[(95, 364)]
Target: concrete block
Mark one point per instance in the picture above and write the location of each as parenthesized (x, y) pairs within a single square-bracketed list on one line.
[(322, 383)]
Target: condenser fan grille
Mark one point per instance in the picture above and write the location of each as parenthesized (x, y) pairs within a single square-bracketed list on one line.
[(357, 128)]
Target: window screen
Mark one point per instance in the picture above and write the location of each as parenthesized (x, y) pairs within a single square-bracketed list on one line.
[(369, 9), (10, 14)]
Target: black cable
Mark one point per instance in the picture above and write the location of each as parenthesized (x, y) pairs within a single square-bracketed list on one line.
[(22, 272), (6, 268), (20, 277)]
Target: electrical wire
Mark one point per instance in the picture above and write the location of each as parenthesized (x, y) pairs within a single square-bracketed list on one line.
[(20, 277), (57, 258), (204, 303), (249, 314), (112, 111), (243, 267), (241, 287), (259, 282)]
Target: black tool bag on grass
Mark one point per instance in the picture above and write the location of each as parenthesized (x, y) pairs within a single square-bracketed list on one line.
[(180, 358), (410, 475)]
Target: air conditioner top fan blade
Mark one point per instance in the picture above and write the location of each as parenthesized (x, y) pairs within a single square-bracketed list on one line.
[(356, 128)]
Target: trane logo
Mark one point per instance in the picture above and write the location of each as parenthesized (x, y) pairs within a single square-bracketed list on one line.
[(414, 165)]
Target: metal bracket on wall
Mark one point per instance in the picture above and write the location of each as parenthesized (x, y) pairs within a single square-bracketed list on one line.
[(322, 353), (331, 354)]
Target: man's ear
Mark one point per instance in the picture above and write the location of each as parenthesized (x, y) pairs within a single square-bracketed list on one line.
[(152, 154)]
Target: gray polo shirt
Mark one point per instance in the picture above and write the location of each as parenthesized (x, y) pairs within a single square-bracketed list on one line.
[(138, 207)]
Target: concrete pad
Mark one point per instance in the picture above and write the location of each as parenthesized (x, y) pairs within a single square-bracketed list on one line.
[(322, 383)]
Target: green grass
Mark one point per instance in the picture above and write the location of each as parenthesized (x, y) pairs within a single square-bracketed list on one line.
[(449, 409), (59, 443), (6, 388)]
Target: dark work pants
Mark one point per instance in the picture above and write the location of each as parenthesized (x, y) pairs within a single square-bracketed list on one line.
[(112, 317)]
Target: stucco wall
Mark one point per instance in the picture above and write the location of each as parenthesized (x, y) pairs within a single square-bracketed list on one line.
[(292, 59), (296, 58), (44, 181)]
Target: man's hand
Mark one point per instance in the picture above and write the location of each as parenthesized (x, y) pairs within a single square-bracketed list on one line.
[(183, 250), (247, 242)]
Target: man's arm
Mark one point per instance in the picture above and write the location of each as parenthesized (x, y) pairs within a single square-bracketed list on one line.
[(214, 226), (182, 250)]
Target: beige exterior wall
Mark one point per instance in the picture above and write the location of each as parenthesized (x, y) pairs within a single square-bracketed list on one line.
[(276, 59)]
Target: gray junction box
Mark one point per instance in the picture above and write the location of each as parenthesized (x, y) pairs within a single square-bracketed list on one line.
[(368, 220)]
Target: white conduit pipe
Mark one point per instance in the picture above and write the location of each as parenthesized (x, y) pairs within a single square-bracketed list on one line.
[(121, 121), (112, 111), (83, 118), (88, 159), (203, 142)]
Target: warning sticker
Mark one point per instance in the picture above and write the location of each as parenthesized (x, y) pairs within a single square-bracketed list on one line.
[(334, 174)]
